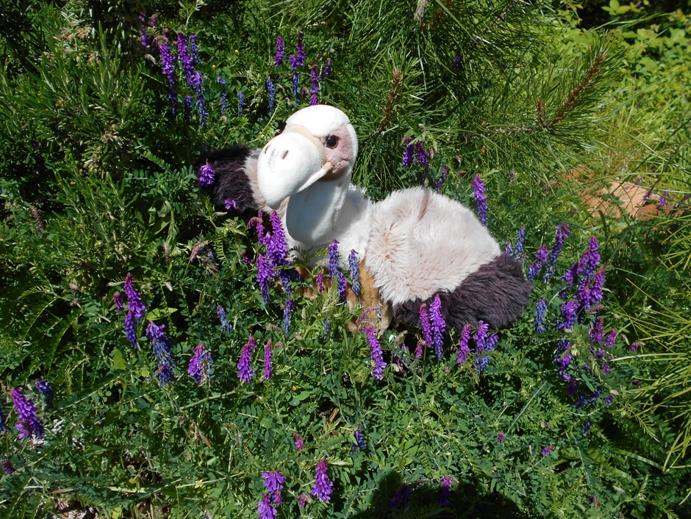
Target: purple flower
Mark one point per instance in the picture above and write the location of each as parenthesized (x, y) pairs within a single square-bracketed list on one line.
[(518, 251), (200, 365), (287, 313), (401, 498), (445, 491), (230, 204), (319, 281), (376, 354), (568, 315), (314, 100), (3, 425), (481, 363), (143, 37), (425, 325), (500, 437), (300, 60), (491, 342), (277, 248), (438, 326), (463, 349), (586, 428), (163, 352), (241, 102), (185, 59), (257, 223), (605, 369), (314, 76), (134, 300), (342, 286), (481, 199), (225, 325), (327, 328), (457, 60), (409, 155), (273, 481), (562, 234), (195, 49), (201, 106), (635, 346), (187, 109), (28, 423), (296, 87), (611, 337), (663, 199), (272, 93), (267, 360), (547, 450), (266, 511), (7, 467), (333, 258), (206, 175), (168, 66), (540, 259), (481, 336), (354, 272), (131, 328), (304, 499), (508, 248), (117, 299), (360, 437), (609, 399), (590, 259), (540, 313), (327, 67), (278, 58), (46, 390), (224, 99), (422, 156), (563, 363), (322, 486), (245, 372), (444, 174), (419, 350), (299, 443), (265, 273)]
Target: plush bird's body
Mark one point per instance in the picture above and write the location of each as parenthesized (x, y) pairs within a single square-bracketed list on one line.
[(415, 244)]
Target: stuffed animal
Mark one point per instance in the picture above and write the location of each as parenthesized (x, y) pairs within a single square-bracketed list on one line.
[(413, 245)]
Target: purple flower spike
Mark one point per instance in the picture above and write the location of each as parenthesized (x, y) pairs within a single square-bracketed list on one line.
[(296, 87), (438, 326), (314, 100), (287, 313), (333, 258), (463, 349), (562, 234), (425, 325), (266, 511), (187, 109), (185, 58), (540, 259), (206, 175), (195, 49), (327, 67), (445, 491), (319, 281), (422, 156), (273, 481), (354, 272), (304, 499), (401, 498), (7, 467), (225, 325), (518, 251), (300, 61), (314, 77), (231, 205), (540, 313), (134, 300), (376, 354), (117, 299), (46, 390), (265, 273), (409, 155), (277, 247), (342, 286), (299, 442), (245, 372), (663, 199), (481, 199), (500, 437), (605, 369), (547, 450), (131, 329), (267, 360), (611, 337), (168, 65), (241, 102), (419, 350), (278, 58), (590, 259), (163, 352), (322, 486), (28, 423), (568, 315), (200, 365), (271, 89), (481, 336)]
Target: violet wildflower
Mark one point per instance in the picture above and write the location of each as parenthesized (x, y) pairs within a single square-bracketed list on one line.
[(409, 155), (28, 423), (117, 299), (457, 61), (647, 195), (258, 224), (287, 313), (568, 316), (200, 365), (143, 37), (341, 286), (278, 57), (272, 93), (561, 235), (586, 428), (444, 174), (314, 76), (319, 281), (231, 205), (481, 363), (547, 450), (168, 65), (491, 342), (508, 249), (327, 328), (273, 481), (481, 199), (605, 369), (419, 350), (540, 258), (425, 325), (303, 499), (245, 372), (131, 328), (463, 349), (224, 98), (277, 248), (333, 258), (201, 106), (663, 199), (241, 102), (134, 300), (611, 337), (265, 273), (267, 360), (422, 156), (187, 109), (438, 326), (635, 346), (322, 486), (376, 354), (185, 59), (571, 388), (7, 467), (3, 424), (401, 498), (299, 442), (518, 251), (327, 67), (500, 437), (445, 491), (296, 88), (46, 390), (195, 49), (609, 399), (225, 325), (540, 313), (590, 259), (354, 272), (300, 61), (163, 352), (207, 175), (481, 336), (266, 511), (314, 100), (563, 363)]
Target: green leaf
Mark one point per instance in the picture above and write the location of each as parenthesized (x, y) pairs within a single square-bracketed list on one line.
[(160, 313), (118, 360)]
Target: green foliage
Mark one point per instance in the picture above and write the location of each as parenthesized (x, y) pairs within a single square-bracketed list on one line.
[(98, 180)]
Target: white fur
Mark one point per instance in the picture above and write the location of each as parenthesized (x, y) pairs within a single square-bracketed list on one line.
[(422, 242)]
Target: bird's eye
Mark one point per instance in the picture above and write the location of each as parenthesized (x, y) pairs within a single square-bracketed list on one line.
[(331, 141)]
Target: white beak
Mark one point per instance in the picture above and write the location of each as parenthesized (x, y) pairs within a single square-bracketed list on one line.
[(288, 164)]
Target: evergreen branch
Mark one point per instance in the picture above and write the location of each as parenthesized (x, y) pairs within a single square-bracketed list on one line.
[(392, 98)]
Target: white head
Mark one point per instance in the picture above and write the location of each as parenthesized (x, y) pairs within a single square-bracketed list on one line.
[(317, 144)]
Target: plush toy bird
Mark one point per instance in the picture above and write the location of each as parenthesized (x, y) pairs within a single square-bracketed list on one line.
[(413, 245)]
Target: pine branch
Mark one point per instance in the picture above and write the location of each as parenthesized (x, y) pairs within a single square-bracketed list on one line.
[(392, 98)]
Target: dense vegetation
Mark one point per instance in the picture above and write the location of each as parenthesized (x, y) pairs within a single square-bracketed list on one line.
[(581, 409)]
